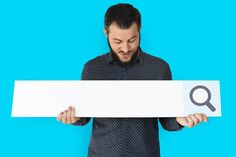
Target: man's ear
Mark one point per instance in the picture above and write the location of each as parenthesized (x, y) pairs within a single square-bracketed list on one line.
[(105, 32)]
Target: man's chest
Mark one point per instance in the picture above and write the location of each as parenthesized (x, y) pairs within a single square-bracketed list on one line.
[(132, 73)]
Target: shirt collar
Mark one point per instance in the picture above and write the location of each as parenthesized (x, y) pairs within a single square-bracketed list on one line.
[(138, 59)]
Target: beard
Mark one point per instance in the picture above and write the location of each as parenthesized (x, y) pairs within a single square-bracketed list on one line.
[(117, 59)]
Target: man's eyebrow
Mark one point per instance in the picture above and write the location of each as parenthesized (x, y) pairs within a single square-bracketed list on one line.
[(117, 39), (128, 39), (132, 37)]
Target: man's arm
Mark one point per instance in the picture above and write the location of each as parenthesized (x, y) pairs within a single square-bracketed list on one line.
[(68, 116), (86, 75), (177, 123), (169, 124)]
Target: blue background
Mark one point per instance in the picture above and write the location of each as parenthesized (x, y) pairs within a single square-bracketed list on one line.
[(51, 40)]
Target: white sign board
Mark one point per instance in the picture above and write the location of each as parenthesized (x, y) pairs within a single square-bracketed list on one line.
[(116, 98)]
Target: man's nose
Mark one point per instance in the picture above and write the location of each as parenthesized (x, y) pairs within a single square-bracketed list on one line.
[(125, 48)]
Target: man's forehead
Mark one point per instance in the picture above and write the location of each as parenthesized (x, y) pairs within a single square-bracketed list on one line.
[(116, 32)]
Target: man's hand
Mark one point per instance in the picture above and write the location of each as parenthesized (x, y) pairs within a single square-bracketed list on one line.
[(192, 120), (68, 116)]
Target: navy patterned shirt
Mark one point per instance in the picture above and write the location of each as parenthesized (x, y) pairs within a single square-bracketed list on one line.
[(126, 137)]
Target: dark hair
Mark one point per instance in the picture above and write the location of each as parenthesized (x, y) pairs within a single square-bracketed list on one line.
[(123, 14)]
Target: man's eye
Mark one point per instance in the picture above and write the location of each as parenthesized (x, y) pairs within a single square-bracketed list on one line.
[(131, 41), (117, 42)]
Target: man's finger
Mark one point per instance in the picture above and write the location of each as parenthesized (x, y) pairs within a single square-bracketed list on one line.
[(59, 116), (69, 116), (199, 117), (205, 117), (190, 121), (64, 120), (195, 119), (73, 118)]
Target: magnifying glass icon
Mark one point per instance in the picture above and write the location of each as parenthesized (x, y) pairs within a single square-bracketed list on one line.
[(199, 103)]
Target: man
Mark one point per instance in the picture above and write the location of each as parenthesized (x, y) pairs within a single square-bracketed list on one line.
[(126, 137)]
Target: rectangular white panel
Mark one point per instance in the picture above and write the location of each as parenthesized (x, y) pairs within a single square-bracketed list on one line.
[(116, 98)]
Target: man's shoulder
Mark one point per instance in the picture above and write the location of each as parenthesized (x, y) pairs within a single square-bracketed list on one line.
[(150, 59), (97, 61)]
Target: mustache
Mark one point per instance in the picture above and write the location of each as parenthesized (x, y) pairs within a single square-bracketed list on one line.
[(123, 52), (121, 63), (117, 59)]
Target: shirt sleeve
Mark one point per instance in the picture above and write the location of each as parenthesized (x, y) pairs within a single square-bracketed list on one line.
[(169, 124), (82, 121), (85, 76)]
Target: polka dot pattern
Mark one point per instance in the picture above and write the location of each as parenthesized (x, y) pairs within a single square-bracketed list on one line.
[(126, 137)]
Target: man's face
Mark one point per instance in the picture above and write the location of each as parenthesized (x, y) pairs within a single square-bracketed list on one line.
[(123, 42)]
